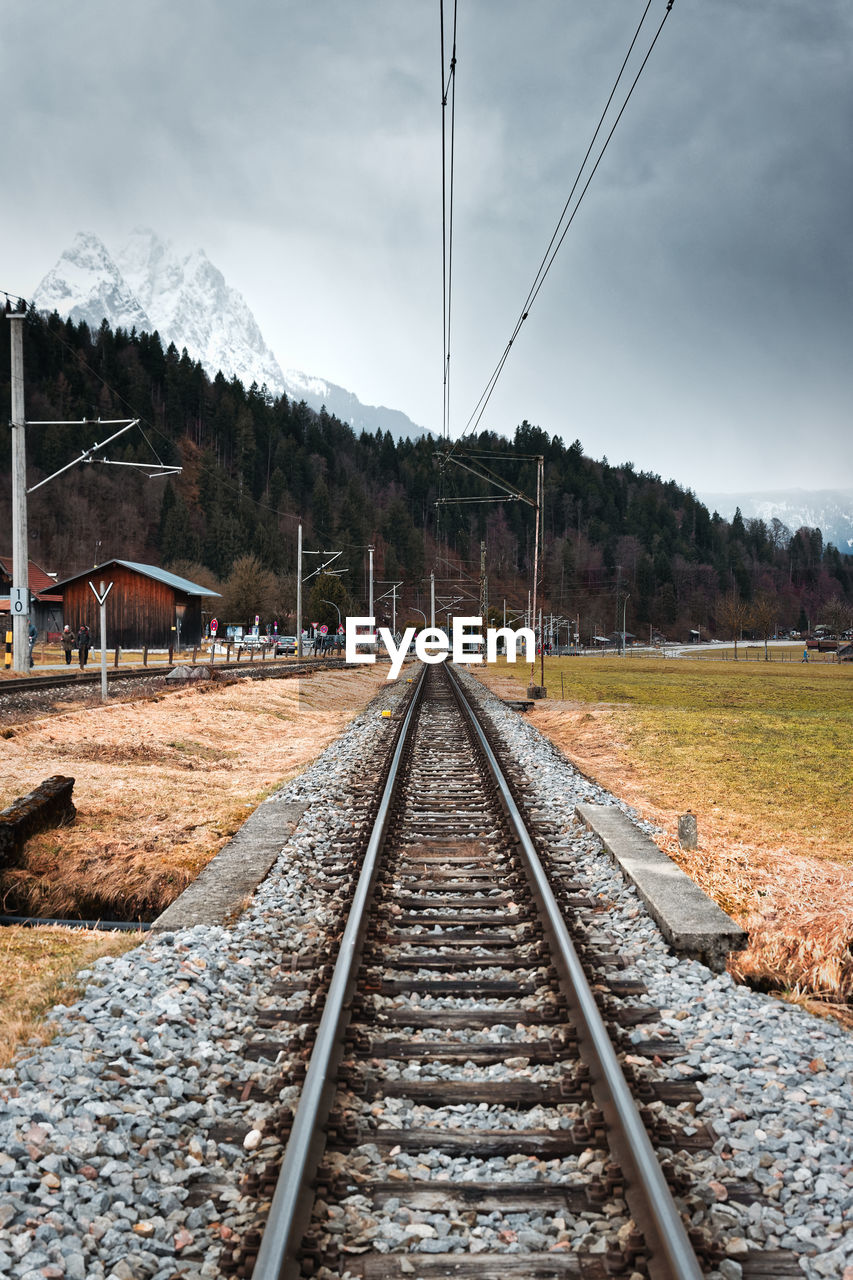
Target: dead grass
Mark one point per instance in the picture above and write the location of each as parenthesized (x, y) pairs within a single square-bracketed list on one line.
[(37, 971), (760, 754), (160, 786)]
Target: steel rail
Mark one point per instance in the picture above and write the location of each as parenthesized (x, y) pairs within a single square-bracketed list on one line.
[(81, 679), (293, 1197), (648, 1195)]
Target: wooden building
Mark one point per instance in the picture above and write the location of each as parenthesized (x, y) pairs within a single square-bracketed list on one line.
[(145, 606)]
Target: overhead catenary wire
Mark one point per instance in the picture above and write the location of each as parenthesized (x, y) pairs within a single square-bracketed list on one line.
[(448, 91), (559, 235), (225, 483)]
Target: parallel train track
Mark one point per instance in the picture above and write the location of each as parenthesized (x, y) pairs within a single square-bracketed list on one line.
[(465, 1112)]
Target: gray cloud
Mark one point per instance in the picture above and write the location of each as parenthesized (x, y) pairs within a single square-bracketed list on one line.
[(698, 318)]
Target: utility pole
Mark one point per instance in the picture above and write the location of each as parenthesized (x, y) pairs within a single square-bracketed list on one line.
[(370, 596), (540, 473), (432, 599), (299, 592), (618, 594), (541, 653), (484, 586), (20, 601), (20, 597)]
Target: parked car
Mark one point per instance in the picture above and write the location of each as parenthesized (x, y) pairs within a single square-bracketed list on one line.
[(285, 645)]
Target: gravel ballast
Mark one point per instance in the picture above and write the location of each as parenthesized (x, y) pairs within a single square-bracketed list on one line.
[(124, 1143)]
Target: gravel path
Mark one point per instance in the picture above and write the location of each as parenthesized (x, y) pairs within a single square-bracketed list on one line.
[(124, 1143)]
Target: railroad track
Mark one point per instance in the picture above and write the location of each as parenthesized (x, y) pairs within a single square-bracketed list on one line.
[(116, 676), (30, 697), (465, 1112)]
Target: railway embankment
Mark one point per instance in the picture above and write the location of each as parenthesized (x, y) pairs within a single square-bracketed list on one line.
[(136, 1142)]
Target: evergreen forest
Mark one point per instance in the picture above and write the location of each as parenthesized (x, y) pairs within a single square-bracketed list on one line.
[(618, 542)]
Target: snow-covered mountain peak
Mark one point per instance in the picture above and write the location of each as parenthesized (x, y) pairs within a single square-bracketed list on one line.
[(87, 285), (151, 284)]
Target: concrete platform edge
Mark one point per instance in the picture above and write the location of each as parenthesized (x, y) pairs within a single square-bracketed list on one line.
[(219, 891), (692, 923)]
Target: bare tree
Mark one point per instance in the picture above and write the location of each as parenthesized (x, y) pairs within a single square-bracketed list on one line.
[(763, 616), (733, 613), (250, 590), (837, 615)]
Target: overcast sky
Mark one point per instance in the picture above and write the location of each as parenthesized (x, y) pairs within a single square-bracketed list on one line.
[(698, 319)]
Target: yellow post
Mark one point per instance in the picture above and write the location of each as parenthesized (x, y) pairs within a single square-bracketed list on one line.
[(7, 660)]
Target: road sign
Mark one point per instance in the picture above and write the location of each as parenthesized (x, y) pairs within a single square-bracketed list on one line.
[(214, 625), (324, 630), (257, 619), (340, 631), (19, 603)]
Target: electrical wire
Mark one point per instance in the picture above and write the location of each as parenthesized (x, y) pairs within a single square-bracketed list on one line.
[(558, 237), (222, 480), (448, 89)]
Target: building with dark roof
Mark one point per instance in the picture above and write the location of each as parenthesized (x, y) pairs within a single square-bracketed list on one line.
[(146, 605)]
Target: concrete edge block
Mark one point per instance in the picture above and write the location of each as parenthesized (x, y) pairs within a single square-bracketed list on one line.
[(692, 923), (219, 890)]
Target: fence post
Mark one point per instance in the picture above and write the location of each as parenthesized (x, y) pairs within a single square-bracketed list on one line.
[(145, 655), (115, 660)]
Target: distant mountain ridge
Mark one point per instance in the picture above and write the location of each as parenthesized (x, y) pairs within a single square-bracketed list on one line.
[(830, 510), (150, 285)]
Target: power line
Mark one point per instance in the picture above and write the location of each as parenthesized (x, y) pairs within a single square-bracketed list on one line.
[(558, 237), (448, 88)]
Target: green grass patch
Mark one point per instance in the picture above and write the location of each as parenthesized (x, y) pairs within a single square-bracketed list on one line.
[(768, 741)]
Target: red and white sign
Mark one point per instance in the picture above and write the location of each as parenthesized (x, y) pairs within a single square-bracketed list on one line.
[(324, 630), (214, 624), (340, 630)]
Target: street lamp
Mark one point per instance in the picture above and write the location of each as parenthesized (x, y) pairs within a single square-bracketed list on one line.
[(336, 609)]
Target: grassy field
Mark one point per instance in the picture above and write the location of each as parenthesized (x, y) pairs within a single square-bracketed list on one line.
[(160, 784), (774, 738), (760, 753)]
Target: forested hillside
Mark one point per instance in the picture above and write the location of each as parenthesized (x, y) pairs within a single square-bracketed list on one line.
[(253, 467)]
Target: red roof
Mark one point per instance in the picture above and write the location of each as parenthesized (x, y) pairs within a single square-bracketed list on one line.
[(40, 583)]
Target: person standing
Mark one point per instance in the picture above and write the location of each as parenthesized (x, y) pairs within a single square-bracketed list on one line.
[(32, 636), (67, 642), (805, 656), (84, 640)]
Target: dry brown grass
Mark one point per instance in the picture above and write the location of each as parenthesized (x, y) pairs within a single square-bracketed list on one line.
[(37, 971), (160, 785), (786, 880)]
